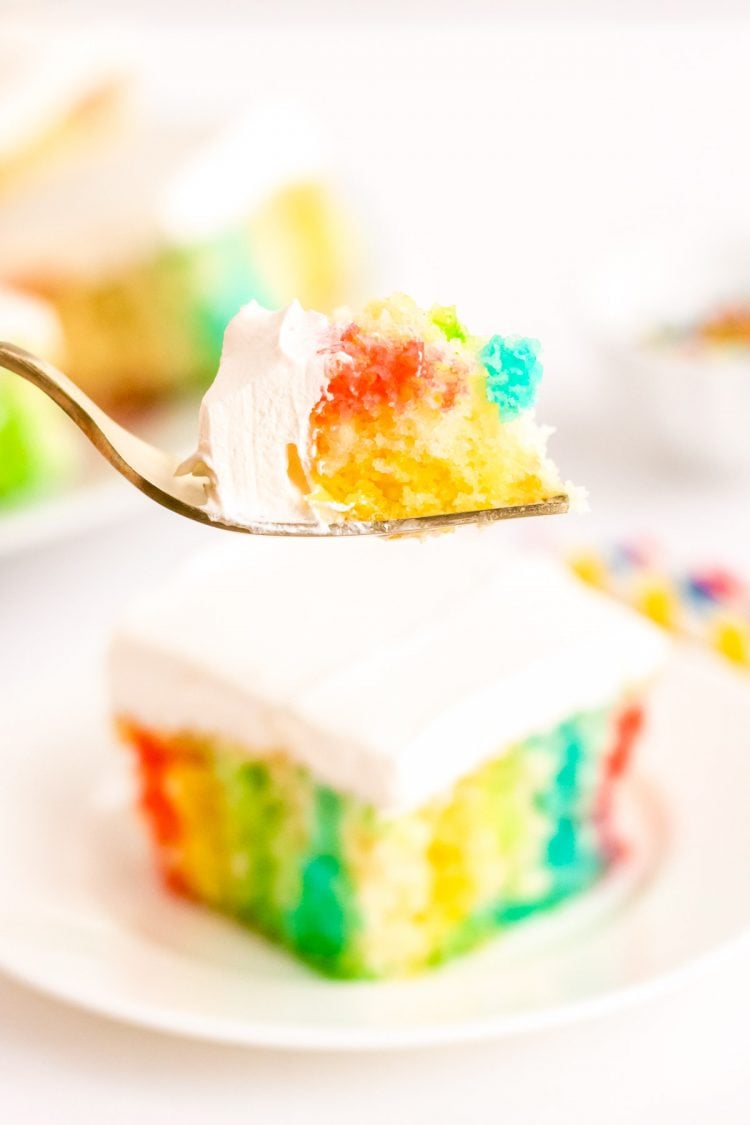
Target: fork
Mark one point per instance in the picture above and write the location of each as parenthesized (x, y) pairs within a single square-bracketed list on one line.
[(156, 472)]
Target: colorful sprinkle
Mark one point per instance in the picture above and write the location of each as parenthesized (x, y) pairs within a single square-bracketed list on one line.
[(708, 605)]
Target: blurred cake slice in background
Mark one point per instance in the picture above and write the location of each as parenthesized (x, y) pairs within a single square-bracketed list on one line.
[(146, 248), (56, 99), (39, 449)]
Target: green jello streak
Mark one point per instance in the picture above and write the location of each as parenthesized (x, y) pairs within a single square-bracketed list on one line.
[(286, 870), (250, 808), (268, 833), (446, 319), (223, 278), (322, 922)]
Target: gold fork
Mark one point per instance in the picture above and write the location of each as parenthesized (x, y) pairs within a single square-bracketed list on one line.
[(155, 472)]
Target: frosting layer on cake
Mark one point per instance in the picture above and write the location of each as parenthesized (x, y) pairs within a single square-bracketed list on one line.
[(256, 412), (390, 670)]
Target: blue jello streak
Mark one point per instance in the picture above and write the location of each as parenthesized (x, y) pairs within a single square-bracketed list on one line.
[(513, 373)]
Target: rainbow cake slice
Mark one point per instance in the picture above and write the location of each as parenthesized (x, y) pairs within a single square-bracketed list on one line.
[(147, 246), (386, 413), (380, 754)]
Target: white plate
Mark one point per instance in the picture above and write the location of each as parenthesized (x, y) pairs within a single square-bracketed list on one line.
[(100, 497), (83, 918)]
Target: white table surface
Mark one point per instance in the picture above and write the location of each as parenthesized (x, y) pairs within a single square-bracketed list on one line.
[(569, 142)]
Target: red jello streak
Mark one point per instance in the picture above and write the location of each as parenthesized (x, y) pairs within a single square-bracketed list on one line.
[(367, 371), (153, 762), (627, 727)]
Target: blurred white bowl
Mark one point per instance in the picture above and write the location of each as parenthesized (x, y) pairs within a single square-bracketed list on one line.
[(686, 404)]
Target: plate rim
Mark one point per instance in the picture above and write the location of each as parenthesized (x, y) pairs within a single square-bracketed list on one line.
[(293, 1038)]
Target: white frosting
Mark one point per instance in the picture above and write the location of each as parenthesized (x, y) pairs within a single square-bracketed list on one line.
[(270, 377), (389, 669)]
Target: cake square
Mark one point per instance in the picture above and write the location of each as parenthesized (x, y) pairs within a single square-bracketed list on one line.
[(379, 754), (170, 226)]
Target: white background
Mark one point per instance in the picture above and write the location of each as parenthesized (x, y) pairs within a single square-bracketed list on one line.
[(501, 163)]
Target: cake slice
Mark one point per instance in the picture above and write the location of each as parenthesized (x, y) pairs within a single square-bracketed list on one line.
[(379, 754), (147, 247), (386, 413)]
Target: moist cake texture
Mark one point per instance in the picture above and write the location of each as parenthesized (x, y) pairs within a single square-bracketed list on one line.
[(384, 413)]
